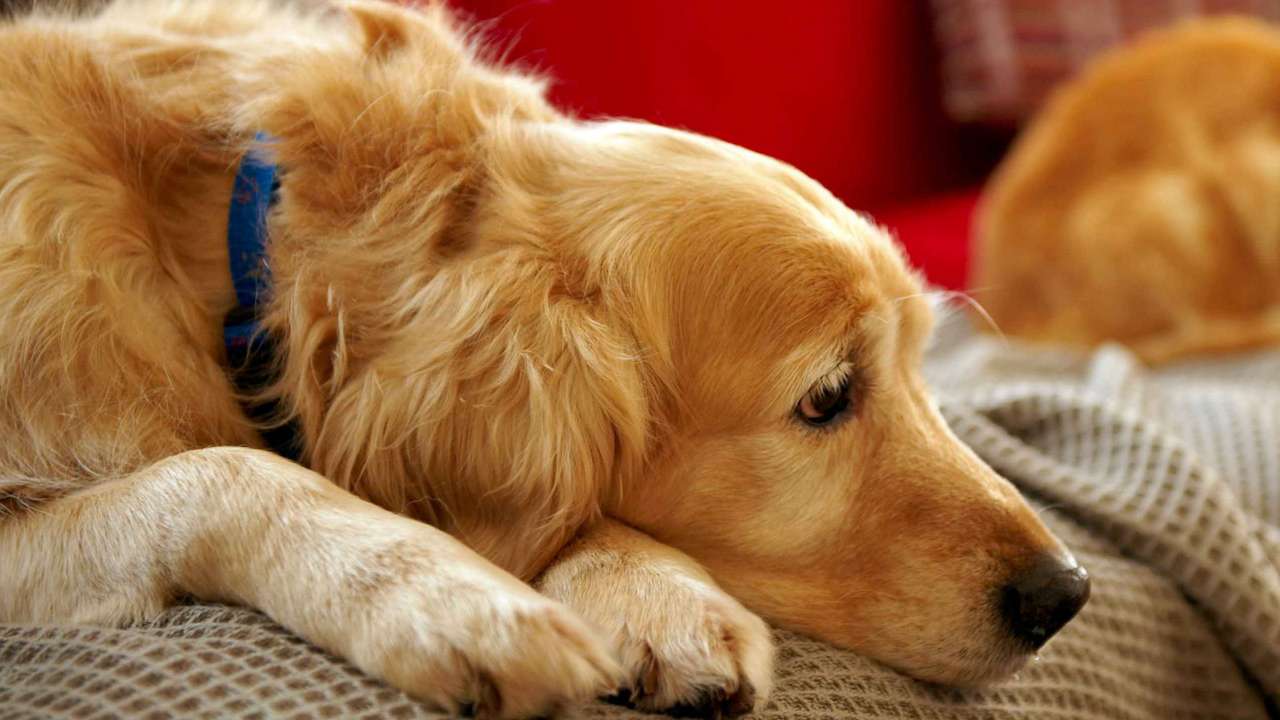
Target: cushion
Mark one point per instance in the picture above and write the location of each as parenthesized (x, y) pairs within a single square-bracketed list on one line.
[(1165, 484)]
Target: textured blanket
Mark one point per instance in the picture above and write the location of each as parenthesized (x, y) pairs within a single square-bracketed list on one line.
[(1165, 484)]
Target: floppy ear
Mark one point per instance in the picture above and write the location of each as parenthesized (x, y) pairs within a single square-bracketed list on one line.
[(378, 159), (501, 413), (437, 363)]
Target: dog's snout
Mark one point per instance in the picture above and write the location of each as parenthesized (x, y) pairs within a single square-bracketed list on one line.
[(1042, 599)]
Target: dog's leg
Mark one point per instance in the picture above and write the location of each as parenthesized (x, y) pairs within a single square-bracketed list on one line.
[(400, 599), (684, 642)]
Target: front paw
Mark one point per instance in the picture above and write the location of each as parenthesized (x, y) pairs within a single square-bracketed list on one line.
[(485, 651), (687, 647), (701, 655)]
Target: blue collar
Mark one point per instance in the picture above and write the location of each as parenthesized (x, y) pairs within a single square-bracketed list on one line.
[(250, 350), (252, 198)]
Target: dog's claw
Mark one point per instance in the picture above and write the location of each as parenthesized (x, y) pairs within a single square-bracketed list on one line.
[(621, 696), (719, 703), (714, 703), (743, 701)]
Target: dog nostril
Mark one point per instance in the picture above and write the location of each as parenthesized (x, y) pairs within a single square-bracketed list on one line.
[(1043, 599)]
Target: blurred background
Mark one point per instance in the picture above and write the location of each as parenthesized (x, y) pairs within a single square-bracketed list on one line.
[(901, 107)]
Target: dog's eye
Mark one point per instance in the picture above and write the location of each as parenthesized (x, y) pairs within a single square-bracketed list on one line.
[(825, 403)]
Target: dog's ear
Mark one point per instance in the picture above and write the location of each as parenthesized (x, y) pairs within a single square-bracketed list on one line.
[(463, 364), (502, 412), (445, 358)]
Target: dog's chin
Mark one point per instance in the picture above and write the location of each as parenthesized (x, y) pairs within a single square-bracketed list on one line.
[(975, 669)]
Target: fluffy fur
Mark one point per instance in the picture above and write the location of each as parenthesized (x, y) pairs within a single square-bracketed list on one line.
[(1141, 206), (521, 348)]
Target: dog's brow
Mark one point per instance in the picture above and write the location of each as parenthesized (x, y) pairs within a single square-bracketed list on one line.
[(884, 328), (854, 348), (912, 320), (864, 335)]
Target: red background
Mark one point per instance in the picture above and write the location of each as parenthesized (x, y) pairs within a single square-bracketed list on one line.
[(846, 90)]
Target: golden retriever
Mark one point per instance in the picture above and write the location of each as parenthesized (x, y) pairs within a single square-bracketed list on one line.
[(661, 378), (1143, 206)]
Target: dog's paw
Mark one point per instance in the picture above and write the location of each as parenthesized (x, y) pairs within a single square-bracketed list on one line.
[(688, 648), (700, 654), (488, 650)]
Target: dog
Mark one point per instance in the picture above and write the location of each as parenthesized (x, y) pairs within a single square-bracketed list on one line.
[(1140, 206), (577, 403)]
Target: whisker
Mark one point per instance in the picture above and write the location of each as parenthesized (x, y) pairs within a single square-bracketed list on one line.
[(971, 302), (1040, 511)]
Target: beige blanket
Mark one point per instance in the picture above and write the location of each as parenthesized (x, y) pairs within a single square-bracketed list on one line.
[(1166, 484)]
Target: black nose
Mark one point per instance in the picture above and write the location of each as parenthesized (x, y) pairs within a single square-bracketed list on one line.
[(1044, 598)]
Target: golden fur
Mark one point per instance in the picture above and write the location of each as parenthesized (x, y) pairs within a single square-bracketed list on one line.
[(577, 348), (1143, 205)]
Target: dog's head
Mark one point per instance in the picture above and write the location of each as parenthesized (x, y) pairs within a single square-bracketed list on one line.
[(542, 320), (793, 447)]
